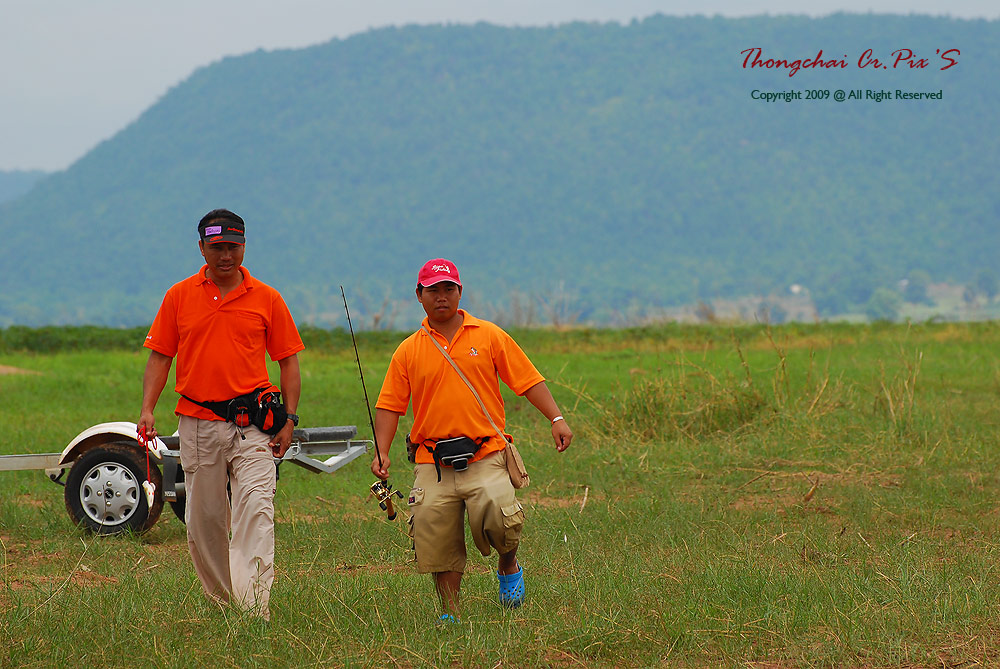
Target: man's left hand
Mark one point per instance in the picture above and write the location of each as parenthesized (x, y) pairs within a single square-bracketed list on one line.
[(562, 435), (280, 442)]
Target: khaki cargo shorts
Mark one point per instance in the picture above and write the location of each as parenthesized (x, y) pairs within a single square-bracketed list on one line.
[(483, 491)]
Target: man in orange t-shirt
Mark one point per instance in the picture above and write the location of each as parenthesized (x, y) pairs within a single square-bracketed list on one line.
[(219, 324), (459, 460)]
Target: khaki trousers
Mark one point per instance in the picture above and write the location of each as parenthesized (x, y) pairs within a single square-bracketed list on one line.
[(231, 542)]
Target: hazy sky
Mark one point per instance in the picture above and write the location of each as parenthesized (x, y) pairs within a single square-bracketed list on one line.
[(75, 72)]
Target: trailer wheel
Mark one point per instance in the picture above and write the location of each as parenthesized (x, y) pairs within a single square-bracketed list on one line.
[(104, 490)]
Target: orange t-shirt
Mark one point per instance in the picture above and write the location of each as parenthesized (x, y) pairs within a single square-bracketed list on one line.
[(443, 406), (220, 342)]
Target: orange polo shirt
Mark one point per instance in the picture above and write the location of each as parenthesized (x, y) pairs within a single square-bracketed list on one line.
[(443, 406), (220, 341)]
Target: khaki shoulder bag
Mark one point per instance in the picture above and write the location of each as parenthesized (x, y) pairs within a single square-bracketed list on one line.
[(515, 464)]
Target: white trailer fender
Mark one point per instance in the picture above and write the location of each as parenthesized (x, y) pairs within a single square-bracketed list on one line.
[(105, 433)]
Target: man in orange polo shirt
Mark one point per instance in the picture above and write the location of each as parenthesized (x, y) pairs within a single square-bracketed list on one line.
[(219, 323), (444, 408)]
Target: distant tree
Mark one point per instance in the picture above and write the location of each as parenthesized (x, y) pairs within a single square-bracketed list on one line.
[(916, 287), (987, 284), (705, 313), (844, 290), (883, 305), (771, 311), (969, 295), (829, 301)]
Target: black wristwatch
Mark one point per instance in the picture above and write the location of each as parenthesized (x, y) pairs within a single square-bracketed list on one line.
[(294, 418)]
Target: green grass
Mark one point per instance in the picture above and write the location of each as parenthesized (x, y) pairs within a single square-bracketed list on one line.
[(811, 495)]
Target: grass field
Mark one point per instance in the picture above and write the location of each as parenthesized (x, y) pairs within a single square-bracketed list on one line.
[(822, 495)]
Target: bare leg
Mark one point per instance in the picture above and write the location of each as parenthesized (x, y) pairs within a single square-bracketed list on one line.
[(508, 563), (448, 584), (511, 580)]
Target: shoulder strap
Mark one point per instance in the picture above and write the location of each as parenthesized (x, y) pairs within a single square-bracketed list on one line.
[(482, 406)]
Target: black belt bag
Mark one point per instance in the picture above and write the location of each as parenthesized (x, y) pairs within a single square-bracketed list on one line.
[(261, 408), (455, 453)]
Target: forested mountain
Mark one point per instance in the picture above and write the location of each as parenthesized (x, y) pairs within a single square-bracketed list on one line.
[(14, 183), (615, 168)]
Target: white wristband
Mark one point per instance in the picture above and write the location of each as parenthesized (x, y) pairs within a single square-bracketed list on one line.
[(556, 419)]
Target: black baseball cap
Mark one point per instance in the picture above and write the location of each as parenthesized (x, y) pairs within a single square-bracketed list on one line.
[(222, 225)]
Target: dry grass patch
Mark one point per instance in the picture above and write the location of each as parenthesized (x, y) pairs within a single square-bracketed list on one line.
[(386, 568), (540, 500), (84, 576), (30, 500), (953, 332), (6, 369), (799, 343)]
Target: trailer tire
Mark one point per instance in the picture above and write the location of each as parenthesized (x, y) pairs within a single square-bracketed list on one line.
[(104, 490)]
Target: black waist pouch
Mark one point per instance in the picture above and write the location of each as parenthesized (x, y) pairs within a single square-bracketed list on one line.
[(261, 408), (455, 453)]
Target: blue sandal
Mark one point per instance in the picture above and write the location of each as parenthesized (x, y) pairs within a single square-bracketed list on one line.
[(512, 588), (446, 619)]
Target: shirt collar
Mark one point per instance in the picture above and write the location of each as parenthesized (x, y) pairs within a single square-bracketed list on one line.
[(469, 321)]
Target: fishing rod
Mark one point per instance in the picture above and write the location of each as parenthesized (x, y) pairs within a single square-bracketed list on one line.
[(382, 490)]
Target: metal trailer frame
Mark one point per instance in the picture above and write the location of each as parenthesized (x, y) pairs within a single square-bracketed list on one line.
[(104, 473)]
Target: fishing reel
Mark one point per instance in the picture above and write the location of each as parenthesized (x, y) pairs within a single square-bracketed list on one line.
[(383, 492)]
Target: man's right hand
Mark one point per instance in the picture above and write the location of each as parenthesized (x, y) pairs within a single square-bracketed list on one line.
[(146, 425), (383, 471), (385, 426)]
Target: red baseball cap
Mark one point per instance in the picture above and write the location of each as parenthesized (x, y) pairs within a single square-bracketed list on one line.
[(436, 271)]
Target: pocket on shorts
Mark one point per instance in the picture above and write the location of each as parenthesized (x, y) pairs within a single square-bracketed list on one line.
[(415, 498), (513, 523)]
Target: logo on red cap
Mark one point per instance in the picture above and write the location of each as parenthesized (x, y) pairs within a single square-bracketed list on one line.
[(438, 270)]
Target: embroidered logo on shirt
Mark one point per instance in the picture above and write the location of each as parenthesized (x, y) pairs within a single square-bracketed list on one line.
[(473, 351)]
